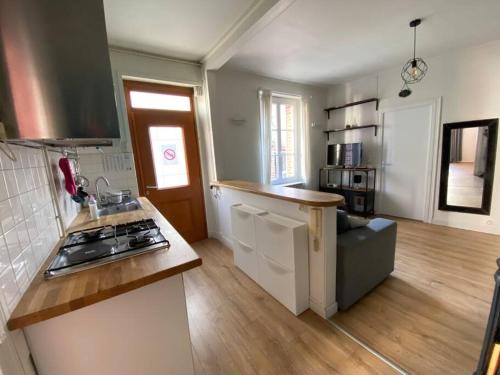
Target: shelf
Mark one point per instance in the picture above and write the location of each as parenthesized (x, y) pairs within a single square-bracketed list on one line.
[(353, 128), (327, 110), (347, 188), (359, 169)]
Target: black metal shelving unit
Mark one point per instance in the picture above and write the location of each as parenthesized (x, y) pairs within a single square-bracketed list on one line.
[(359, 198)]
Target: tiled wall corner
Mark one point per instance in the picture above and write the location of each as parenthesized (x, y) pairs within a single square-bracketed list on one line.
[(28, 233), (28, 229)]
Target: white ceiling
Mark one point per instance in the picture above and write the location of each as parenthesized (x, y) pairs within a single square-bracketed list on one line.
[(330, 41), (186, 29)]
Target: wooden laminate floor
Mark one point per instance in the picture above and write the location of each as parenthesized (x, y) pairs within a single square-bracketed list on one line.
[(237, 328), (430, 315)]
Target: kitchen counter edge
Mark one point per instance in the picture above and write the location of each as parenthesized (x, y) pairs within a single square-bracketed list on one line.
[(290, 194), (39, 302)]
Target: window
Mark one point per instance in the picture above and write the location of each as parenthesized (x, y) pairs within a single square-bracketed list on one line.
[(169, 156), (151, 100), (285, 140)]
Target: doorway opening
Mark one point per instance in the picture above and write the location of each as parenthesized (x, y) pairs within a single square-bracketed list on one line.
[(166, 153)]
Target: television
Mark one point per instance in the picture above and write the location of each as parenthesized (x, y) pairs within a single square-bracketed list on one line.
[(344, 154)]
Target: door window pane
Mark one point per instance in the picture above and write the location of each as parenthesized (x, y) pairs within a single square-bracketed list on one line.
[(150, 100), (169, 156)]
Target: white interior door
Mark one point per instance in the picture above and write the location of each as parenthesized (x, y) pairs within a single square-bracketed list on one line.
[(406, 164)]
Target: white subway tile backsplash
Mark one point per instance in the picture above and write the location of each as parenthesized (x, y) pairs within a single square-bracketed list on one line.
[(118, 167), (19, 267), (22, 234), (25, 200), (17, 209), (21, 181), (6, 218), (4, 255), (30, 182), (28, 227), (32, 227), (3, 188), (11, 182), (13, 245), (29, 230), (30, 261), (36, 178), (9, 288)]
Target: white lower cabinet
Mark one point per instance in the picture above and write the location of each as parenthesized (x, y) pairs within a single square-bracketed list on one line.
[(273, 250), (278, 281), (243, 226), (246, 259)]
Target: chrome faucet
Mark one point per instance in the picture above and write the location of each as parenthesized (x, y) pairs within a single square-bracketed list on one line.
[(99, 199)]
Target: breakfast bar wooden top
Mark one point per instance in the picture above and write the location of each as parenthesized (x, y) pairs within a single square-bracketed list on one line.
[(290, 194), (45, 299)]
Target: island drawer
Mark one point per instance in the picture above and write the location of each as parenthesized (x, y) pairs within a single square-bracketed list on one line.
[(243, 226), (281, 239)]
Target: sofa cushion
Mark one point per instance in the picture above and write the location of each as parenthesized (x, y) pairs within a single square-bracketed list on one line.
[(357, 222)]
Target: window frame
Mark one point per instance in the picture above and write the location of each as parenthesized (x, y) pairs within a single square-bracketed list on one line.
[(298, 134)]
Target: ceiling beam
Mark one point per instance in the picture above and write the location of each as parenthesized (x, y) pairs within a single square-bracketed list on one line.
[(256, 19)]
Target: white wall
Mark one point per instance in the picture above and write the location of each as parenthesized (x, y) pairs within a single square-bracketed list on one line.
[(234, 94), (469, 84)]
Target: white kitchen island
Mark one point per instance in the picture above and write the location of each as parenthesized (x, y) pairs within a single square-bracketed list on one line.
[(279, 267), (127, 317)]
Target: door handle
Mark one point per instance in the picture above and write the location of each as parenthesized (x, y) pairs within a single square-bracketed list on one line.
[(151, 187)]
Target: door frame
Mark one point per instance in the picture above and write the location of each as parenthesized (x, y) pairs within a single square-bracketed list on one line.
[(433, 159), (155, 87)]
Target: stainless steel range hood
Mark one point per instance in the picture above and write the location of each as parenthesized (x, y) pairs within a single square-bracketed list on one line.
[(55, 73)]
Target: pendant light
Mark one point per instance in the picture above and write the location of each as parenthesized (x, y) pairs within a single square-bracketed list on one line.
[(414, 70)]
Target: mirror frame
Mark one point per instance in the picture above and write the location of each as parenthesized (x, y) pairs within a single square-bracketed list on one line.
[(485, 208)]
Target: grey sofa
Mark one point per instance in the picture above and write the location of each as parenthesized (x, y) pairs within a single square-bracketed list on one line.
[(365, 258)]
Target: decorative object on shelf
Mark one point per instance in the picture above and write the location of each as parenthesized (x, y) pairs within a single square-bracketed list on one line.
[(376, 100), (415, 69)]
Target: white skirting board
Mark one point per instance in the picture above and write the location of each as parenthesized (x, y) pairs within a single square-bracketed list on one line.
[(144, 331)]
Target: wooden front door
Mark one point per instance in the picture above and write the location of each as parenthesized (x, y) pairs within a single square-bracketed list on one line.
[(166, 154)]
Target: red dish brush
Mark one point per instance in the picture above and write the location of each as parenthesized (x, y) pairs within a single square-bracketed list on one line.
[(69, 180)]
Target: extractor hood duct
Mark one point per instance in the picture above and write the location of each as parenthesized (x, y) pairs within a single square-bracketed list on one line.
[(55, 73)]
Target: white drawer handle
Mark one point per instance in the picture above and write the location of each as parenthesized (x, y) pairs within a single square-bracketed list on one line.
[(245, 247), (242, 213), (275, 266), (277, 227)]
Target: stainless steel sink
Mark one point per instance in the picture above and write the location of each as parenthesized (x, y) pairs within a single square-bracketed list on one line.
[(126, 206)]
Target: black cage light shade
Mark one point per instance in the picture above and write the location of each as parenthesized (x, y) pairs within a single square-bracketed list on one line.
[(415, 68)]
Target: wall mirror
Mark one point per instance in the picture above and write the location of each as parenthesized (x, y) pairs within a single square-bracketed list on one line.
[(468, 166)]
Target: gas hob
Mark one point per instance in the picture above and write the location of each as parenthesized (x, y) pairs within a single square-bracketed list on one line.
[(93, 247)]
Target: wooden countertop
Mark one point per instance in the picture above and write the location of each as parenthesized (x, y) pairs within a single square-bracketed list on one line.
[(45, 299), (302, 196)]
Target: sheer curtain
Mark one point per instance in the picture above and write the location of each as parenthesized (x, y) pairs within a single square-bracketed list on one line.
[(265, 102), (305, 143)]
